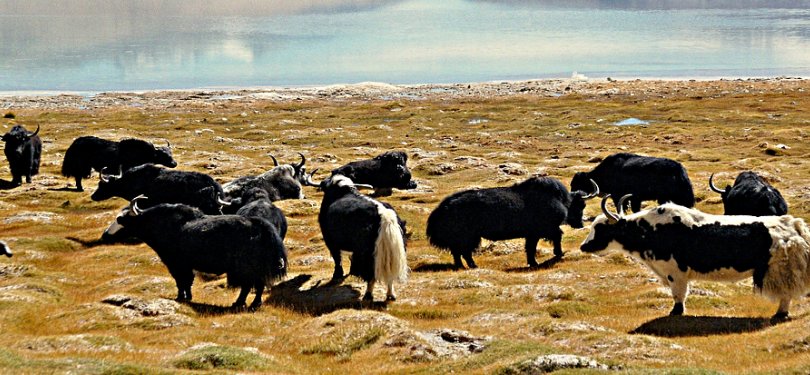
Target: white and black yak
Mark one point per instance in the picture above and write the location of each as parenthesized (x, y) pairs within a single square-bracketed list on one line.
[(751, 195), (645, 177), (89, 152), (257, 203), (681, 244), (280, 182), (5, 250), (369, 229), (384, 172), (23, 150), (163, 185), (249, 250), (532, 209)]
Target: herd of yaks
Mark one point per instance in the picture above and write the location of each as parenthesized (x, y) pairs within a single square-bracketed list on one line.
[(194, 223)]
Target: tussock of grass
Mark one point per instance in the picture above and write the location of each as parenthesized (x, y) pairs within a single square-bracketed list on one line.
[(343, 342), (214, 357)]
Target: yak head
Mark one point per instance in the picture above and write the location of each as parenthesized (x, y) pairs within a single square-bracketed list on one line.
[(164, 217), (582, 182), (163, 156), (4, 250), (16, 140), (124, 184), (577, 207), (394, 165), (723, 193)]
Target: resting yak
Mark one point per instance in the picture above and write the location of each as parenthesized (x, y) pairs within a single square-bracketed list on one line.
[(681, 244), (384, 172), (646, 178), (23, 150), (249, 250), (532, 209), (369, 229), (280, 182), (89, 152), (751, 195)]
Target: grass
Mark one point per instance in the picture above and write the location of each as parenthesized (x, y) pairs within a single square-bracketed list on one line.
[(585, 305)]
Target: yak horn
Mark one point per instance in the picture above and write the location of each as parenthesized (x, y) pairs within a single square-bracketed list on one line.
[(134, 204), (620, 209), (308, 179), (168, 144), (35, 132), (714, 188), (363, 186), (223, 202), (106, 177), (303, 161), (611, 216), (275, 162), (595, 191)]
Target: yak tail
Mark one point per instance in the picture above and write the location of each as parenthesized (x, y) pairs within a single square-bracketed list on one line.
[(390, 262)]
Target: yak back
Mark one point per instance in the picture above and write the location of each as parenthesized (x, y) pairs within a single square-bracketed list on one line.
[(752, 195), (259, 205), (388, 169), (88, 153)]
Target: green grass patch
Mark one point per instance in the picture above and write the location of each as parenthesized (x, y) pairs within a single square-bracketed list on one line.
[(216, 357)]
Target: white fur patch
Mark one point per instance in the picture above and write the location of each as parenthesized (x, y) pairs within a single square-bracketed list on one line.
[(390, 261)]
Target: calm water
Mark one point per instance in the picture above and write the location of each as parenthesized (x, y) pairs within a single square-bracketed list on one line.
[(92, 45)]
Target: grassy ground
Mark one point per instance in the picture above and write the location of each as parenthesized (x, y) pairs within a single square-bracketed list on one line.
[(52, 292)]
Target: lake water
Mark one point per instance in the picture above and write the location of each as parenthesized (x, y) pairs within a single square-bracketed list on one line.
[(95, 45)]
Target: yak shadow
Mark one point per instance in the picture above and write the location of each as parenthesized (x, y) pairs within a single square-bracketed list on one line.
[(7, 185), (685, 326), (319, 299), (100, 242), (544, 265), (434, 267), (205, 309), (67, 188)]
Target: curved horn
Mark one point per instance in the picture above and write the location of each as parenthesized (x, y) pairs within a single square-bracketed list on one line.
[(714, 188), (620, 207), (223, 202), (303, 161), (308, 179), (610, 215), (275, 162), (35, 132), (168, 144), (134, 204), (595, 191), (363, 186)]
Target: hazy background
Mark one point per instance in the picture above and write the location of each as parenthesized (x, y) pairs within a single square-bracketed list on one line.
[(157, 44)]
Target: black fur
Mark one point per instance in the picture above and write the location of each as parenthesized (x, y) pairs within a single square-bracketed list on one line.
[(383, 172), (647, 178), (752, 195), (5, 250), (258, 204), (89, 152), (23, 150), (532, 209), (248, 250), (277, 182), (163, 185)]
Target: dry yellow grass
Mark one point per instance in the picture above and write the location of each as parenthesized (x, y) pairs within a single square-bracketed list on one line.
[(52, 289)]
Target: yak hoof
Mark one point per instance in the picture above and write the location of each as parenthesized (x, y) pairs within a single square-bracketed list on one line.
[(368, 297), (390, 298), (677, 310), (781, 316)]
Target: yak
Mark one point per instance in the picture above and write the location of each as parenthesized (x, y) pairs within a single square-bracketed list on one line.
[(257, 203), (247, 249), (5, 250), (646, 178), (23, 150), (751, 195), (280, 182), (385, 171), (532, 209), (681, 244), (88, 153)]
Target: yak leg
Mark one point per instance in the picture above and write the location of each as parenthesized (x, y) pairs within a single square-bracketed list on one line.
[(369, 290), (782, 313), (556, 240), (79, 184), (337, 275), (531, 251), (240, 301), (469, 259), (390, 296), (457, 264), (257, 302), (183, 278), (679, 286)]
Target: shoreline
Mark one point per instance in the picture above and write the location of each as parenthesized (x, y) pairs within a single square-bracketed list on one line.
[(370, 91)]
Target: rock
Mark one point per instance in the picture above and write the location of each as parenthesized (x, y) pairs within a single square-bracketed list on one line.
[(555, 362), (39, 217), (513, 169), (13, 270), (154, 307)]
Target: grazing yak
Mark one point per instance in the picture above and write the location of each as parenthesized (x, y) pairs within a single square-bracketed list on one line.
[(5, 250), (163, 185), (257, 204), (385, 171), (646, 178), (369, 229), (89, 152), (23, 150), (681, 244), (751, 195), (280, 182), (532, 209), (249, 250)]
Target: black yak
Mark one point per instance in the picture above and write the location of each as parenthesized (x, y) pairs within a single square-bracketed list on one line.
[(280, 182), (249, 250), (5, 250), (646, 178), (681, 244), (89, 152), (532, 209), (257, 204), (369, 229), (163, 185), (23, 151), (751, 195), (385, 171)]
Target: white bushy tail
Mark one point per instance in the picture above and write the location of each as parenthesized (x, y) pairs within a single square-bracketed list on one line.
[(390, 262)]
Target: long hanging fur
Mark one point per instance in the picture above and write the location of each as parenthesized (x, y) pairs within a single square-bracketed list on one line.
[(789, 268), (390, 262)]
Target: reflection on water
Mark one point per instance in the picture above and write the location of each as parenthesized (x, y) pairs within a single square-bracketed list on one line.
[(152, 44)]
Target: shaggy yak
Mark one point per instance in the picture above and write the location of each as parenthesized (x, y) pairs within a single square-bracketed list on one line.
[(681, 244), (23, 150), (751, 195), (249, 250)]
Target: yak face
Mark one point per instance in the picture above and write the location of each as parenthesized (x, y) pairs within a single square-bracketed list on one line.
[(575, 211), (16, 140), (394, 165), (581, 182), (634, 233), (166, 215), (163, 156)]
